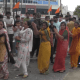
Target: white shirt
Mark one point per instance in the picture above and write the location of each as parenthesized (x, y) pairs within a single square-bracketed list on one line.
[(64, 21), (57, 24), (9, 21)]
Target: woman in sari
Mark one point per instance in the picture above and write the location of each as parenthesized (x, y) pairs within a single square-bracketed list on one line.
[(62, 46), (45, 47), (4, 48), (25, 47), (75, 46)]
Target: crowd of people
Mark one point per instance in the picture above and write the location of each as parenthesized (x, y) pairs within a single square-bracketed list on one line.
[(43, 37)]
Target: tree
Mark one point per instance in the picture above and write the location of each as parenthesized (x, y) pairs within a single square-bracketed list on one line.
[(77, 11)]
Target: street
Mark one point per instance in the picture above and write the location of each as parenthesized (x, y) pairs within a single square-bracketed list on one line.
[(34, 72)]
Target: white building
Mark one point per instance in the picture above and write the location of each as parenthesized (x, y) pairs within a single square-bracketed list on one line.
[(71, 13), (64, 10), (32, 6)]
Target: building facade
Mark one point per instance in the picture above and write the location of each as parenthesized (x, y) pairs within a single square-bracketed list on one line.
[(32, 6)]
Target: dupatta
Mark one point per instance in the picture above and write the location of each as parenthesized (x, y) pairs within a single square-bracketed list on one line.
[(62, 31)]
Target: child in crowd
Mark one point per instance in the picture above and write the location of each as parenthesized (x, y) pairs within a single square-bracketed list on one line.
[(16, 29)]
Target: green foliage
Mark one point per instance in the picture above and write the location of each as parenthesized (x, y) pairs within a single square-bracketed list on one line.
[(77, 11)]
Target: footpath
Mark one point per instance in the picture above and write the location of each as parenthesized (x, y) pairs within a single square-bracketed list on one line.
[(73, 75)]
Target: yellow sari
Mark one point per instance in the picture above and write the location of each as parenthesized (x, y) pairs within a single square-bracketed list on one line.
[(44, 52), (75, 47), (2, 49)]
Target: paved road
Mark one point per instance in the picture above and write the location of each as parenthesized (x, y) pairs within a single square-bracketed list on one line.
[(34, 72)]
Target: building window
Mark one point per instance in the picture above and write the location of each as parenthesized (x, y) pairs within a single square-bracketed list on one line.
[(42, 11), (18, 0), (23, 1), (14, 0), (31, 10), (53, 12), (1, 0), (28, 1), (8, 0)]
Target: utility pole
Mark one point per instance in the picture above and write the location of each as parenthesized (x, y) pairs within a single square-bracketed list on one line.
[(60, 6), (16, 9), (13, 6), (21, 6), (5, 6), (49, 7), (11, 1)]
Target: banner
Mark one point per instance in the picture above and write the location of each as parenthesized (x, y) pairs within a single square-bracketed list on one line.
[(52, 2)]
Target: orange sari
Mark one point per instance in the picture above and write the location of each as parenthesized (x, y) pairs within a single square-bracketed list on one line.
[(75, 47)]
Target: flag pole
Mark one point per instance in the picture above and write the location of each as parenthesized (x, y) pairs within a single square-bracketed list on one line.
[(13, 9), (16, 9), (5, 6), (21, 6), (60, 7), (49, 7), (11, 6)]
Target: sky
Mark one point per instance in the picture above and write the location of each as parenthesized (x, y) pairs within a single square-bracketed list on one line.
[(72, 4)]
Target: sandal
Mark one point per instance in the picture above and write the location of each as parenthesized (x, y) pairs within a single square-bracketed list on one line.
[(62, 71), (54, 71), (25, 76), (20, 74), (46, 73)]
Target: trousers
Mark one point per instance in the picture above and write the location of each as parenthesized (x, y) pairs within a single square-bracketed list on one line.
[(70, 40), (11, 41), (36, 43), (25, 64), (24, 67)]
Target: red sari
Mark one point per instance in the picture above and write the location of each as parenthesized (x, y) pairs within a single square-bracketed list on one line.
[(62, 46)]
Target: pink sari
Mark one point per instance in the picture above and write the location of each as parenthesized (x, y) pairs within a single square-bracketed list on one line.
[(62, 46)]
